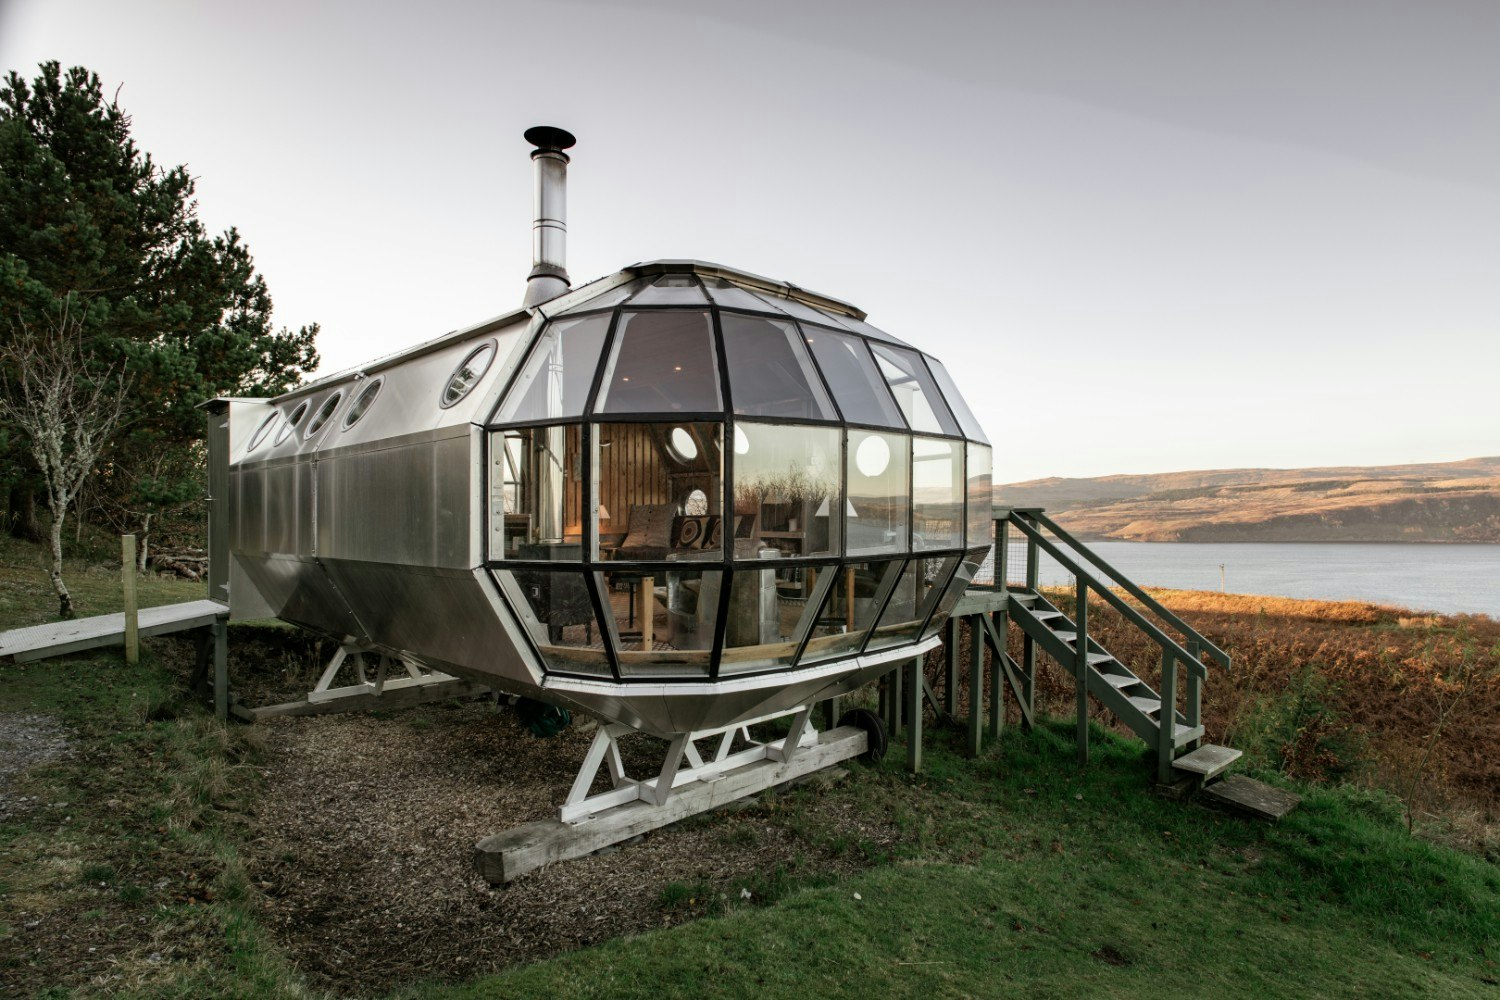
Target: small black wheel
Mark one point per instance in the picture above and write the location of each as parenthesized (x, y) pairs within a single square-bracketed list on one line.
[(540, 718), (867, 720)]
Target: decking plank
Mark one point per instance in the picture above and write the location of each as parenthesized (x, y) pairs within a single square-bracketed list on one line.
[(37, 642)]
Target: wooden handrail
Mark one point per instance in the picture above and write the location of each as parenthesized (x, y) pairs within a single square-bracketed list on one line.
[(1130, 588), (1166, 642)]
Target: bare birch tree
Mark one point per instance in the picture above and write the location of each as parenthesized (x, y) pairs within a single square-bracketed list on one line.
[(67, 405)]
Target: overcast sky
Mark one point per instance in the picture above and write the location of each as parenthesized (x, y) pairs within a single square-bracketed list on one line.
[(1144, 236)]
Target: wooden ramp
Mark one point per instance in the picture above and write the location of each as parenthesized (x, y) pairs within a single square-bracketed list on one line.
[(56, 638)]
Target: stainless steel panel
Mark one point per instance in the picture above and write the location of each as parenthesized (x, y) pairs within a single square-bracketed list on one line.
[(451, 615), (218, 500), (409, 505), (246, 602), (248, 520), (282, 510), (300, 592)]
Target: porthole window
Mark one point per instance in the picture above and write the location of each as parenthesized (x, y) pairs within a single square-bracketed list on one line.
[(362, 402), (696, 504), (682, 444), (293, 421), (263, 430), (324, 413), (467, 375), (872, 456)]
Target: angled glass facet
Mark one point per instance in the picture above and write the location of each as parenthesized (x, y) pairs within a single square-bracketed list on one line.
[(955, 401), (536, 493), (662, 362), (918, 589), (770, 612), (662, 621), (770, 374), (914, 390), (658, 492), (967, 570), (560, 371), (851, 607), (557, 612), (857, 386), (671, 290)]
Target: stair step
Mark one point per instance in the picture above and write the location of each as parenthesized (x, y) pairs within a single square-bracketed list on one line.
[(1250, 796), (1209, 760), (1121, 681), (1024, 597), (1100, 658), (1146, 705), (1043, 616)]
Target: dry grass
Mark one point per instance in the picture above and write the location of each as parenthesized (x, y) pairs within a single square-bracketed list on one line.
[(1337, 692)]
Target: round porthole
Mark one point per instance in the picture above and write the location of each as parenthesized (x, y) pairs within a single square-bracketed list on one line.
[(324, 413), (263, 430), (873, 456), (293, 421), (696, 504), (467, 375), (362, 403), (682, 445), (741, 441)]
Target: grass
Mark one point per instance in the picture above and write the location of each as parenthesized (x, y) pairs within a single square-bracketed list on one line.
[(1017, 874), (26, 596)]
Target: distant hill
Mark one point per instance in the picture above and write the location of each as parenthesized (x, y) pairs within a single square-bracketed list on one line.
[(1439, 502)]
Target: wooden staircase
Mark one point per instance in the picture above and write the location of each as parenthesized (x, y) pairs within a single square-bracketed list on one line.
[(1175, 734)]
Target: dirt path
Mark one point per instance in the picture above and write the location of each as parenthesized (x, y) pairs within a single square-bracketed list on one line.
[(26, 741), (365, 838)]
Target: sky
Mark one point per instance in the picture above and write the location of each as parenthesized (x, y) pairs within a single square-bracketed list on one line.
[(1144, 236)]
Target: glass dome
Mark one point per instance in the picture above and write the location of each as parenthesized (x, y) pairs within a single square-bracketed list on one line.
[(698, 474)]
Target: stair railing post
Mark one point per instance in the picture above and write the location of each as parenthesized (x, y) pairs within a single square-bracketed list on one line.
[(1081, 667), (1166, 737), (1032, 570), (1194, 713)]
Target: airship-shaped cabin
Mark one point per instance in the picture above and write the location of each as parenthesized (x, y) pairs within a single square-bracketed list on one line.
[(680, 496)]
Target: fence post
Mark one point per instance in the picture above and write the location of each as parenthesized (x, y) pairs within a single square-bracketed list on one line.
[(1166, 735), (132, 617), (950, 668), (1081, 667), (1194, 713)]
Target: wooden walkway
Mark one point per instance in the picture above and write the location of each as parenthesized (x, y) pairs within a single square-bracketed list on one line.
[(56, 638)]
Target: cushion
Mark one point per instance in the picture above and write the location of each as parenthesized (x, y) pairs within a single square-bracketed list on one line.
[(650, 527), (699, 532)]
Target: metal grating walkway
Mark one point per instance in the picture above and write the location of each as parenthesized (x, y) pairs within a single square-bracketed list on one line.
[(37, 642)]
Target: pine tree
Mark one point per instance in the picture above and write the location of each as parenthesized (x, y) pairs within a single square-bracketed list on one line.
[(87, 216)]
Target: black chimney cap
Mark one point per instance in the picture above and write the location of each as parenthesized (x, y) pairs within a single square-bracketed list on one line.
[(549, 137)]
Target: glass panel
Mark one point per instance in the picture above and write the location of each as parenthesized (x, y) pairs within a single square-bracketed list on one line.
[(662, 621), (671, 290), (663, 362), (937, 493), (981, 496), (918, 589), (956, 403), (536, 495), (324, 413), (878, 510), (659, 491), (857, 386), (560, 371), (914, 389), (854, 599), (787, 492), (767, 619), (770, 374), (265, 428), (557, 612), (973, 559), (731, 296)]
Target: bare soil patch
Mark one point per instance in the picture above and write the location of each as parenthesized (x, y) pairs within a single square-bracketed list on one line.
[(363, 848), (26, 741)]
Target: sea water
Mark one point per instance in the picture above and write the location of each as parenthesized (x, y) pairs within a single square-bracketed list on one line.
[(1443, 578)]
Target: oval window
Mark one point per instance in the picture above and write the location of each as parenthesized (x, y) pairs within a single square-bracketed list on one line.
[(293, 421), (263, 430), (741, 441), (873, 456), (324, 412), (467, 375), (683, 447), (696, 504), (362, 402)]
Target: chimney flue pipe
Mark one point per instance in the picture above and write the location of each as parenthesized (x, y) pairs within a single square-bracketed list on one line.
[(549, 228)]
